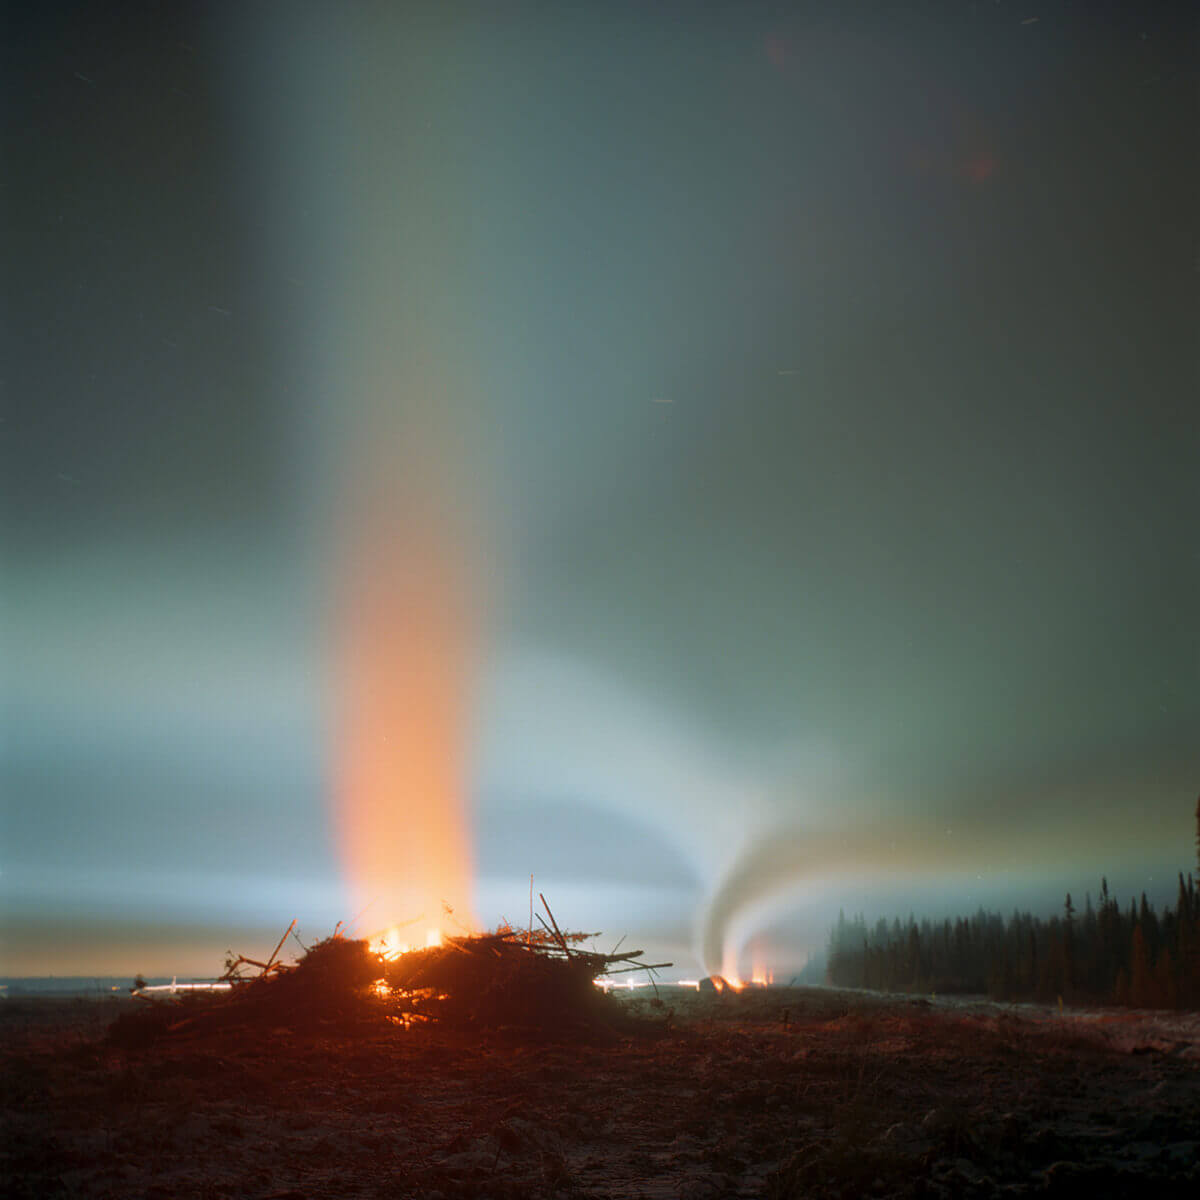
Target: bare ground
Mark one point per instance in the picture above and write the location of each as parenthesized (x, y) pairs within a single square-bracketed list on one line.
[(781, 1093)]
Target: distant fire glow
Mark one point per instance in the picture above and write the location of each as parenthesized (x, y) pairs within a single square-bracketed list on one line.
[(730, 972), (760, 974)]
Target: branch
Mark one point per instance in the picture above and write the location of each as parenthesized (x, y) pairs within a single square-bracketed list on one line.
[(562, 941), (280, 946)]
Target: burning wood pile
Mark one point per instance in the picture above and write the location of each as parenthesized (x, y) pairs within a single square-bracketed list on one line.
[(519, 978)]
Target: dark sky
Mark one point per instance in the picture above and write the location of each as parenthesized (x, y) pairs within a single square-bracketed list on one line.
[(818, 384)]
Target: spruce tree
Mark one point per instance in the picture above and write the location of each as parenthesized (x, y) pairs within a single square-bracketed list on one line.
[(1068, 980)]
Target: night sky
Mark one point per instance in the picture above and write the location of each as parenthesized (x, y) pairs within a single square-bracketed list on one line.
[(815, 390)]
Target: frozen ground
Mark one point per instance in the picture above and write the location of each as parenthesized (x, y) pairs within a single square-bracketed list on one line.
[(786, 1093)]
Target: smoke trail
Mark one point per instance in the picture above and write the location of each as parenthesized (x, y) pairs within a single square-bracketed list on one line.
[(791, 859), (852, 859)]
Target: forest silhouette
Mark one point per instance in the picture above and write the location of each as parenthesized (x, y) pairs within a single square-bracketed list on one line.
[(1104, 954)]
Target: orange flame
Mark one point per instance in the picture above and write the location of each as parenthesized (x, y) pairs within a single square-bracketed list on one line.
[(760, 974), (391, 944), (402, 651)]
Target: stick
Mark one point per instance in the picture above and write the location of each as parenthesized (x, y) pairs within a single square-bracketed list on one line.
[(550, 932), (280, 946), (632, 954), (562, 941), (242, 960), (639, 967), (529, 936)]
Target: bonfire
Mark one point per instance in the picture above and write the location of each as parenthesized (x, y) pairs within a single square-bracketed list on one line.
[(522, 979)]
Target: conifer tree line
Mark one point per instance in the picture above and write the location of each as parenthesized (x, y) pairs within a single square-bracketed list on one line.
[(1105, 954)]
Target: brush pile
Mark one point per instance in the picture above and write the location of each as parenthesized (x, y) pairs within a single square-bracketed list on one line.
[(524, 979), (509, 977)]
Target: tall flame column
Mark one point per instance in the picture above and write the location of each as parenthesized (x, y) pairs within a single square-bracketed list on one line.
[(405, 413), (403, 654)]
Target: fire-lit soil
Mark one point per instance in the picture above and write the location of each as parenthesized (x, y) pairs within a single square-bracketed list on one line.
[(780, 1093)]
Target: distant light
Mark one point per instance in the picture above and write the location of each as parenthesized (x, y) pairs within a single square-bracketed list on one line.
[(172, 988)]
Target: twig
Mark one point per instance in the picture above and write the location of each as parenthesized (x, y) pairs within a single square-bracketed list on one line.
[(280, 946)]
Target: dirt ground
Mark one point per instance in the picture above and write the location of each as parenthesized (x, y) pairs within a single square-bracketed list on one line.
[(778, 1093)]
